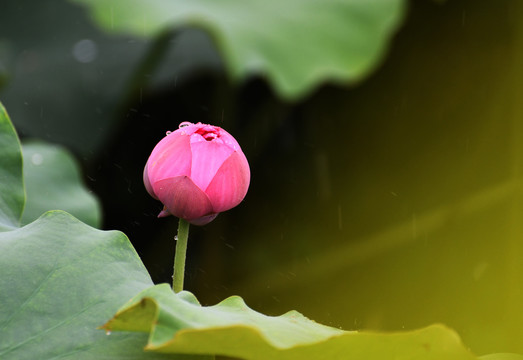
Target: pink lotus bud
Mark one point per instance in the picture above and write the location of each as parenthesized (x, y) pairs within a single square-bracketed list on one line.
[(197, 172)]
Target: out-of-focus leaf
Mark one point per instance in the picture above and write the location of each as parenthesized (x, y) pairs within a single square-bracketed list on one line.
[(178, 324), (56, 91), (71, 83), (12, 194), (52, 180), (501, 357), (296, 44), (66, 78)]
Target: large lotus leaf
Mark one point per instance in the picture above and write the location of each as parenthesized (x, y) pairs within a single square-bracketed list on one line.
[(11, 184), (53, 182), (296, 44), (60, 280), (178, 324)]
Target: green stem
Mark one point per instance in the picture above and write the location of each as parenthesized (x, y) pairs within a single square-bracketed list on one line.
[(179, 256)]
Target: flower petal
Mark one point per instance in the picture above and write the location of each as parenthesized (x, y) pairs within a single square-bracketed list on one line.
[(207, 158), (147, 183), (203, 220), (229, 140), (170, 158), (183, 198), (230, 184)]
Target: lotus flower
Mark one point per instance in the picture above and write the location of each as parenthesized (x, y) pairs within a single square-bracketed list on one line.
[(197, 172)]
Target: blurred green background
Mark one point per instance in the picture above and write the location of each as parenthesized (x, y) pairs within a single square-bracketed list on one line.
[(389, 204)]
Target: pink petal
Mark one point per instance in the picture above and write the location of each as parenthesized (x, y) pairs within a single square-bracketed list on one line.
[(229, 186), (164, 213), (170, 158), (229, 140), (183, 198), (203, 220), (147, 183), (207, 158)]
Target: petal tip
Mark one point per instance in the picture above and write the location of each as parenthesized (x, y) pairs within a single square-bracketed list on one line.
[(164, 213)]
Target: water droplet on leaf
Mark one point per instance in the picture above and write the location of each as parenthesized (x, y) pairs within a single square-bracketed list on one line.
[(37, 159)]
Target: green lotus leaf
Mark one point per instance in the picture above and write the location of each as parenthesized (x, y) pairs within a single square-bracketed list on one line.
[(296, 44), (53, 182), (12, 195), (178, 324), (60, 280)]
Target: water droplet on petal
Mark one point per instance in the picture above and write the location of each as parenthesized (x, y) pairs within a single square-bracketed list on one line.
[(168, 133), (184, 124)]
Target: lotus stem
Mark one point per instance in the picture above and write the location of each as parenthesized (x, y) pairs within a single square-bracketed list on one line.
[(179, 256)]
